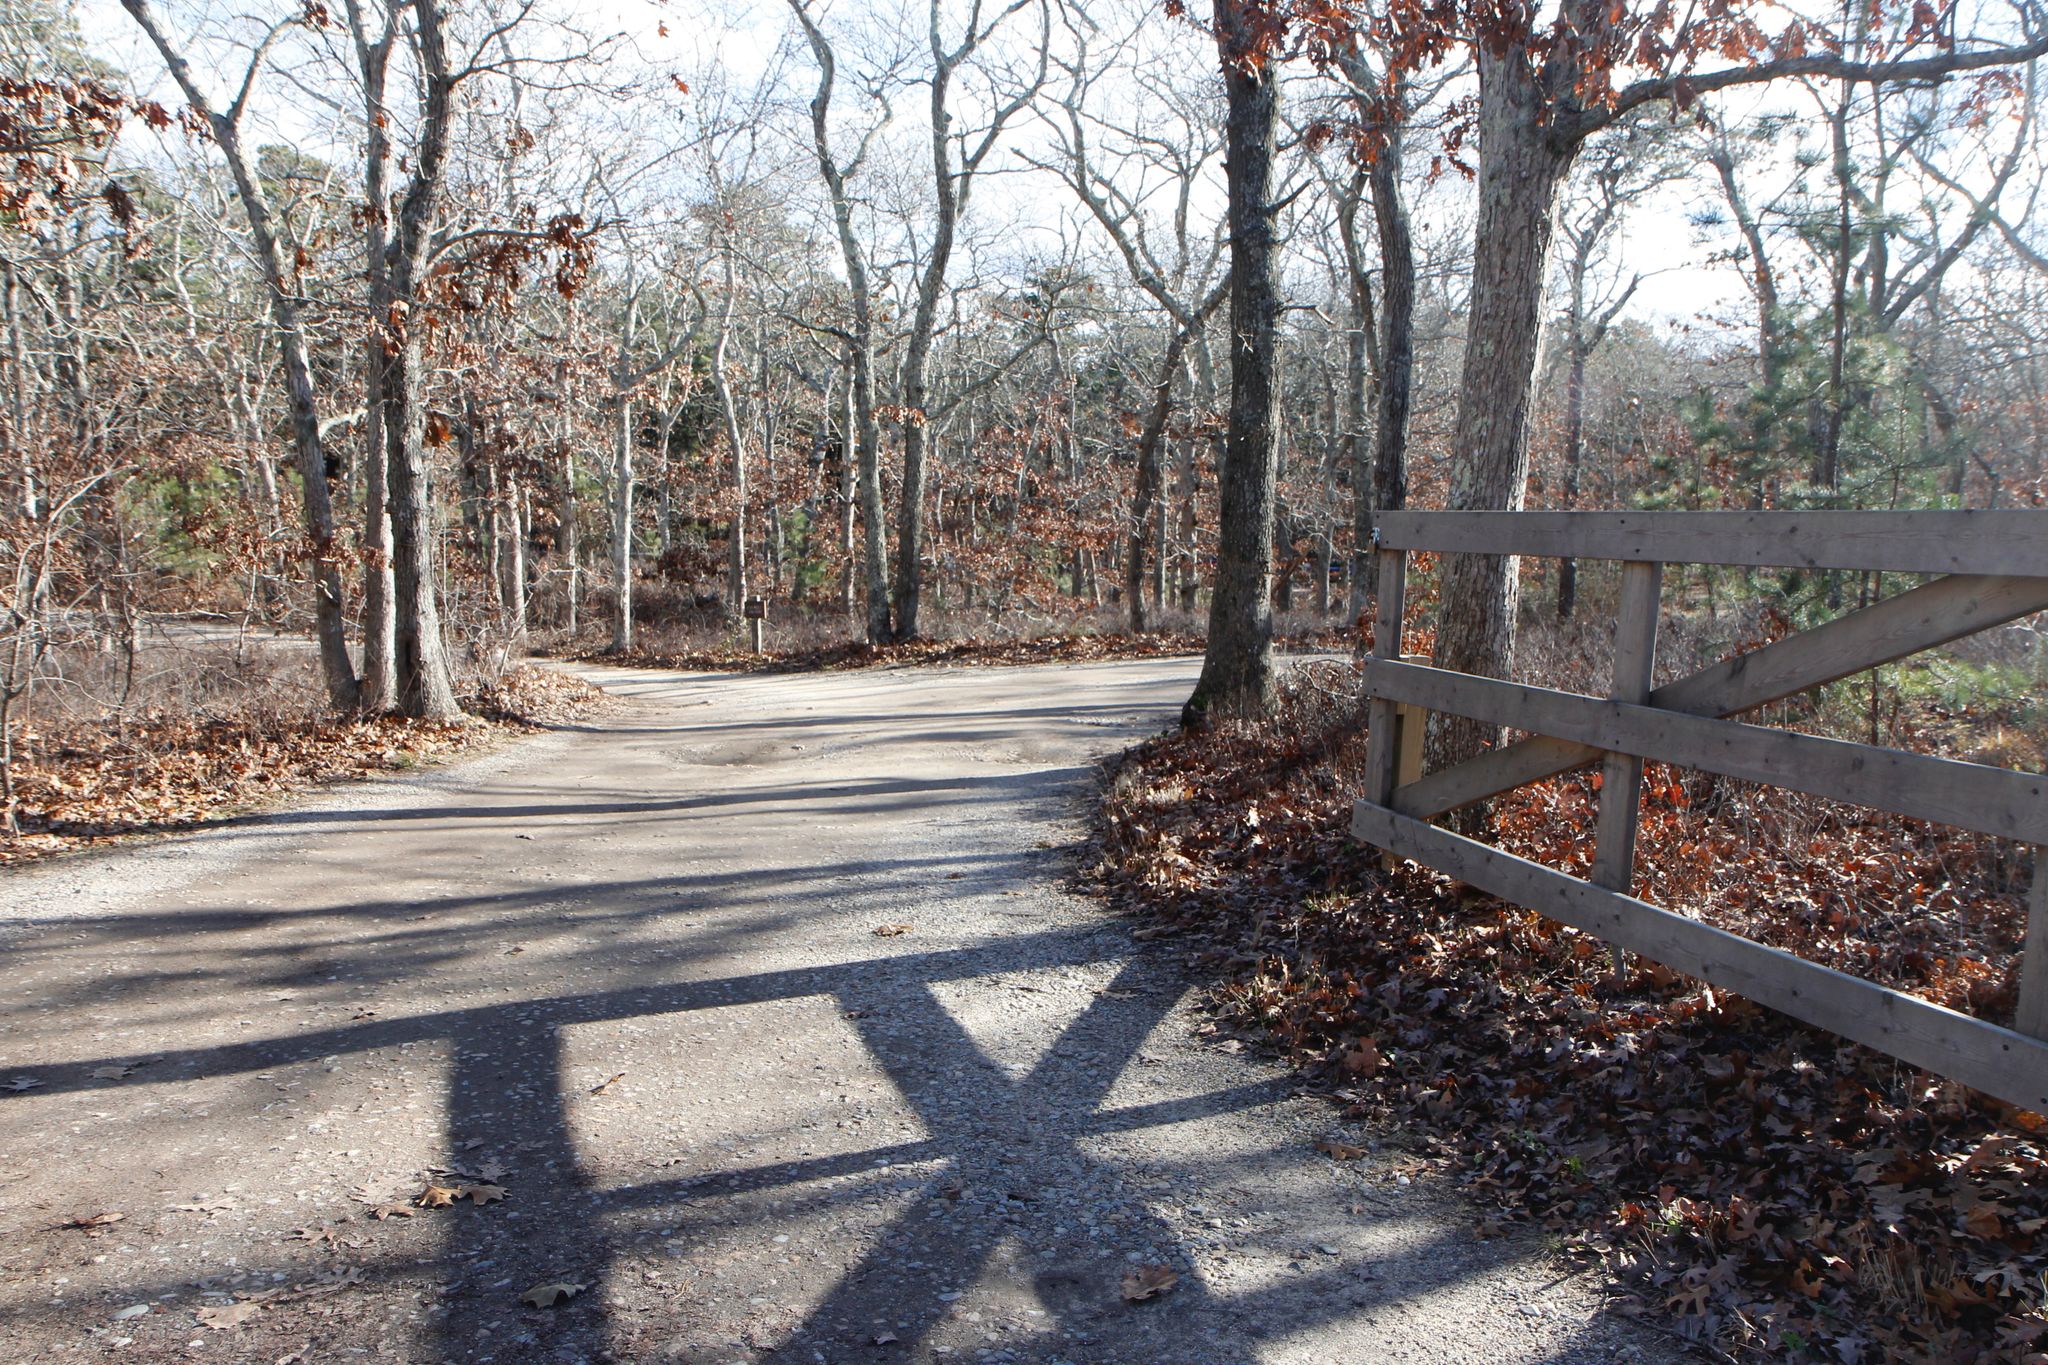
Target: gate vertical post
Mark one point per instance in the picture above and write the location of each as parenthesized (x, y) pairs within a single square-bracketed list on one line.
[(1621, 775), (1382, 737), (2032, 1016)]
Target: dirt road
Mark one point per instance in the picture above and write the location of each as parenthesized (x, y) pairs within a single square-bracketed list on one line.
[(752, 1008)]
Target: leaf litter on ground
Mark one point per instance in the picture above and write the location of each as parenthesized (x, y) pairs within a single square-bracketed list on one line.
[(1771, 1188), (164, 772)]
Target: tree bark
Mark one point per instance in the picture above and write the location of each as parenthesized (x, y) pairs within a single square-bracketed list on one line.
[(1397, 346), (1522, 160), (728, 407), (380, 646), (426, 687), (1151, 443), (1237, 669), (622, 522), (624, 382)]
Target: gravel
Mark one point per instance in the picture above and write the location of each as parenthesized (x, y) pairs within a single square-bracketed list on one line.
[(628, 973)]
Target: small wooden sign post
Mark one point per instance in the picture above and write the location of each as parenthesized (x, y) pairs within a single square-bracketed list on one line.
[(756, 611)]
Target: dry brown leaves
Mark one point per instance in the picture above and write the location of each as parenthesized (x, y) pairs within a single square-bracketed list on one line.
[(1147, 1282), (156, 774), (860, 654), (1776, 1191)]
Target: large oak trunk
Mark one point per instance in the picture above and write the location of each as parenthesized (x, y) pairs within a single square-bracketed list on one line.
[(1237, 670), (1521, 163)]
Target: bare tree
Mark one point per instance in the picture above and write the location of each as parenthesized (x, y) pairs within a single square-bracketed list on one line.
[(225, 127)]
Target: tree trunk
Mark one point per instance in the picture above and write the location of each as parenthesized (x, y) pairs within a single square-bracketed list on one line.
[(1237, 669), (380, 594), (566, 540), (513, 519), (847, 464), (1521, 163), (1151, 452), (28, 495), (1397, 346), (622, 521), (728, 406), (1574, 454), (426, 686)]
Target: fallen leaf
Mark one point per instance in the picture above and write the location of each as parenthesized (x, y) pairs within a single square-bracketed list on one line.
[(891, 930), (437, 1197), (1148, 1281), (92, 1225), (481, 1194), (1983, 1221), (1339, 1151), (112, 1073), (226, 1317), (548, 1295), (1363, 1060), (21, 1083)]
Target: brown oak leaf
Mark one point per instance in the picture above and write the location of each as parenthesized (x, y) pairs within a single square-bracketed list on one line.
[(1148, 1281)]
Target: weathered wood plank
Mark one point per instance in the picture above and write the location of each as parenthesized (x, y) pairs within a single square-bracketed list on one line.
[(2000, 1062), (1621, 775), (1382, 731), (1411, 728), (1924, 618), (1997, 801), (2032, 1015), (1940, 542)]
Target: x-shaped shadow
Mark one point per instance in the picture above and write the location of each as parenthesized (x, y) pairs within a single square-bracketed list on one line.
[(1009, 1147)]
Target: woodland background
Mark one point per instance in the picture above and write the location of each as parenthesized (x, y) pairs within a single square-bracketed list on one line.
[(353, 352), (436, 333)]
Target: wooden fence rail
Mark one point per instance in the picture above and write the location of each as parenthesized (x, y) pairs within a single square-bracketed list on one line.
[(1995, 567)]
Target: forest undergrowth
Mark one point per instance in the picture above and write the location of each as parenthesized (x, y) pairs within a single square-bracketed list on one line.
[(830, 641), (168, 762), (1765, 1189)]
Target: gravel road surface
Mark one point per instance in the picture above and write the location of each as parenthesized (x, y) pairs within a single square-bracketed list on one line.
[(746, 1023)]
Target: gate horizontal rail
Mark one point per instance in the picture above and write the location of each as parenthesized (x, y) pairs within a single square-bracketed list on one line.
[(1996, 567)]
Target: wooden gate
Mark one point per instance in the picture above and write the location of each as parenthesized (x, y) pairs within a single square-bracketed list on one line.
[(1992, 567)]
